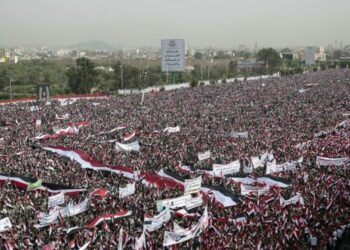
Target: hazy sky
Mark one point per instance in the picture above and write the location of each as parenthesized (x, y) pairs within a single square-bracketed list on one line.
[(219, 23)]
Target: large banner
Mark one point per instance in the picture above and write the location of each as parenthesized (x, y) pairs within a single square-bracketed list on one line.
[(173, 55), (226, 169), (193, 185), (309, 55), (172, 203), (247, 189), (133, 146), (324, 161)]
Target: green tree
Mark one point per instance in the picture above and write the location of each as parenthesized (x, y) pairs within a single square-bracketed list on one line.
[(198, 56), (131, 76), (4, 77), (83, 77), (270, 58)]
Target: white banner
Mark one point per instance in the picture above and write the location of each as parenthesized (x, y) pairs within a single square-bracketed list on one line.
[(226, 169), (287, 166), (239, 135), (193, 185), (324, 161), (38, 122), (156, 222), (260, 161), (79, 208), (134, 146), (173, 55), (194, 202), (293, 200), (171, 238), (56, 200), (184, 234), (204, 156), (128, 190), (67, 211), (247, 189), (172, 129), (174, 202), (5, 225)]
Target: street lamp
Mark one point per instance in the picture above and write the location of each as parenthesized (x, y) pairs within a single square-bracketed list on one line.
[(10, 88), (121, 77)]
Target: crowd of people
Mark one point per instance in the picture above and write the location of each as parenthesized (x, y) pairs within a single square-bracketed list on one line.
[(296, 117)]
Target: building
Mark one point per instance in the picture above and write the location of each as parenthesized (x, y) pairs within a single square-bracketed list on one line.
[(320, 54)]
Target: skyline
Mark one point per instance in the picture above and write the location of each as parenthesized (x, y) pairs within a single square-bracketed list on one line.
[(136, 23)]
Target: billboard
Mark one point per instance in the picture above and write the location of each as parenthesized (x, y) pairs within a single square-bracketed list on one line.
[(173, 55), (309, 55)]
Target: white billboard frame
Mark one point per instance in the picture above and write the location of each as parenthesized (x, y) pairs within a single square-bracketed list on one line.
[(309, 55), (173, 55)]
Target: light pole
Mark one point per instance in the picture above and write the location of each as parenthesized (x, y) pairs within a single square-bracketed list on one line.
[(201, 70), (208, 71), (10, 88), (121, 77)]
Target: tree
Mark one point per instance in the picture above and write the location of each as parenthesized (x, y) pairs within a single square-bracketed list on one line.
[(198, 56), (131, 76), (83, 77), (270, 58), (4, 77)]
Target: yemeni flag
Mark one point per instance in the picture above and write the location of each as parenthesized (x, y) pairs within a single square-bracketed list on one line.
[(107, 217), (160, 182), (34, 185), (99, 192), (86, 161), (31, 184), (129, 136)]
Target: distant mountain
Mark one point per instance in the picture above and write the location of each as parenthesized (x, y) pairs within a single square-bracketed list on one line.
[(93, 45)]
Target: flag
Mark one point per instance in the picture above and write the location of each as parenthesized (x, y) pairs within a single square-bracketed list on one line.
[(23, 183), (86, 161), (95, 222), (99, 192), (34, 185), (129, 136), (85, 246), (184, 214)]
